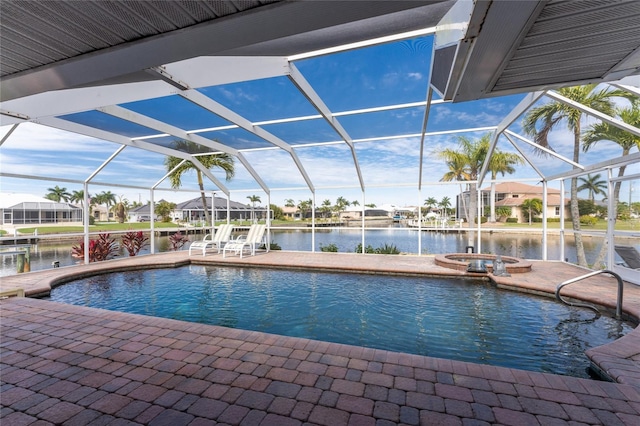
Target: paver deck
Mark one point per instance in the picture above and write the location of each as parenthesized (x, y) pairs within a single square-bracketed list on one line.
[(63, 364)]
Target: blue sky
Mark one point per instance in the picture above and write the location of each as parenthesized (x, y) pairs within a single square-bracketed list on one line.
[(388, 74)]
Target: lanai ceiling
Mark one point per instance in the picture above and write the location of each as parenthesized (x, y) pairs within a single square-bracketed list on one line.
[(62, 63)]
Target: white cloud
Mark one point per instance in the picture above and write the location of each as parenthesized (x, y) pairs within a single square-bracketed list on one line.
[(34, 137)]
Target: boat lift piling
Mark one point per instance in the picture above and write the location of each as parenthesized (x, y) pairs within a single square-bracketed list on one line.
[(23, 253)]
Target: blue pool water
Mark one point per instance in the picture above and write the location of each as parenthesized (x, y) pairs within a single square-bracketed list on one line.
[(447, 318)]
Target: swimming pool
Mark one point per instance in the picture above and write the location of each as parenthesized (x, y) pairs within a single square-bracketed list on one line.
[(446, 318)]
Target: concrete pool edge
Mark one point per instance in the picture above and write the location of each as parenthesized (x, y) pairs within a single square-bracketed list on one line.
[(619, 365)]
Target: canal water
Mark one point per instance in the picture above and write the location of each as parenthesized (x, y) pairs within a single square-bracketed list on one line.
[(522, 245)]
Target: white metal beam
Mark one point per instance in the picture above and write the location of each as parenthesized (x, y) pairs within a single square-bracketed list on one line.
[(228, 69), (425, 121), (71, 101), (6, 136), (545, 150), (626, 88), (81, 129), (152, 123), (307, 90), (525, 155), (229, 115), (104, 164), (604, 117), (612, 163), (516, 112)]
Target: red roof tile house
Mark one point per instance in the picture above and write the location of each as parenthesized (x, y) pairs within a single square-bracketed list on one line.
[(513, 194)]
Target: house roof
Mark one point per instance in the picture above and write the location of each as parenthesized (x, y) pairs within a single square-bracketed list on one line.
[(520, 188), (552, 200), (221, 204), (15, 200)]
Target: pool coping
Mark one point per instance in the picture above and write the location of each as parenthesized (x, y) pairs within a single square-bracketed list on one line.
[(620, 359)]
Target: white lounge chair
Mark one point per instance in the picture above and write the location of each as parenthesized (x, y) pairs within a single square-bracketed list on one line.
[(250, 241), (218, 240), (630, 256)]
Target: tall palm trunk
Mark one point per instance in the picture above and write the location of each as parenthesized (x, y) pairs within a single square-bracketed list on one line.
[(575, 211), (600, 262), (203, 197), (492, 217), (464, 204), (473, 207)]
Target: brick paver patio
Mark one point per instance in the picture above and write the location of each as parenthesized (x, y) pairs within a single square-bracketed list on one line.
[(64, 364)]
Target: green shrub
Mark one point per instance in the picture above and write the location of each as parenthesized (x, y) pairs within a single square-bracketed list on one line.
[(512, 220), (272, 246), (588, 220), (483, 219), (549, 220), (387, 249), (368, 249), (383, 249), (329, 248), (503, 211)]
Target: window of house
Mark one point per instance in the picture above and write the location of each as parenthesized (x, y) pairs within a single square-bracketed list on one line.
[(557, 210), (515, 195)]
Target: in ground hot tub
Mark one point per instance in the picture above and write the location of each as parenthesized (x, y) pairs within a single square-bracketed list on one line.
[(460, 262)]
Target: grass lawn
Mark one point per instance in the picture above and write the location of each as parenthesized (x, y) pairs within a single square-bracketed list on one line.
[(601, 225), (98, 227)]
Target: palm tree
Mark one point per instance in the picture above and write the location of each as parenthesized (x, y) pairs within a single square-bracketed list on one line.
[(107, 198), (458, 172), (531, 207), (120, 209), (627, 141), (430, 203), (326, 207), (500, 163), (289, 202), (342, 203), (594, 185), (553, 113), (223, 161), (57, 194), (444, 204), (303, 206), (78, 197), (355, 203), (253, 199), (163, 209), (466, 163)]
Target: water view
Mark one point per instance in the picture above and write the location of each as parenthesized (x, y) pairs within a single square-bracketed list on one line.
[(522, 245)]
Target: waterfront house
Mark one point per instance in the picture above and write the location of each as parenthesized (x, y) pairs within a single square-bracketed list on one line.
[(513, 195), (27, 209)]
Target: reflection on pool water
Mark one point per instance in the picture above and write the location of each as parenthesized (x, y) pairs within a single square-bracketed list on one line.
[(447, 318)]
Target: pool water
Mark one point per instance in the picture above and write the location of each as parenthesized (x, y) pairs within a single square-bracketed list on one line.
[(446, 318)]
